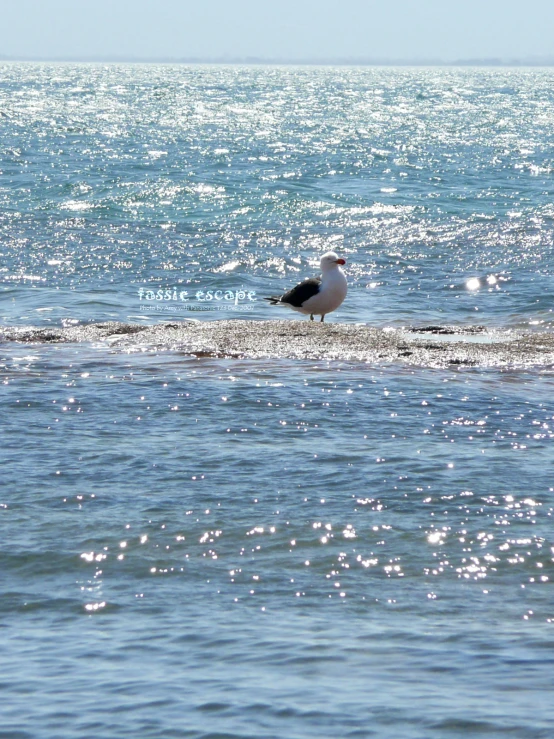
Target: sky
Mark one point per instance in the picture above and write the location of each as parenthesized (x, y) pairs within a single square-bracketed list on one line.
[(278, 29)]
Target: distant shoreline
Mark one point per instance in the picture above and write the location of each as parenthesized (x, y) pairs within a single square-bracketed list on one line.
[(309, 62)]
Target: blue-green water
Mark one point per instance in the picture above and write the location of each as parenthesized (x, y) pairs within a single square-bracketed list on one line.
[(222, 548)]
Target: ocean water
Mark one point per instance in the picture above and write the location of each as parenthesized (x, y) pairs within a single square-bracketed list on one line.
[(209, 548)]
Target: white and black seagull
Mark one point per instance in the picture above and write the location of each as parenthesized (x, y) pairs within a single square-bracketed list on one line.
[(318, 295)]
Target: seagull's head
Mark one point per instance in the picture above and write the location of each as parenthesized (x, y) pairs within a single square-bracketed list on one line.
[(330, 261)]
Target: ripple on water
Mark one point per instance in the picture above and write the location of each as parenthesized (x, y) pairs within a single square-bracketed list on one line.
[(196, 547), (408, 175)]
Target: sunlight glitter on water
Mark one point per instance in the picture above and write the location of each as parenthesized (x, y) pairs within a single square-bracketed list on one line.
[(403, 198), (201, 547), (394, 460)]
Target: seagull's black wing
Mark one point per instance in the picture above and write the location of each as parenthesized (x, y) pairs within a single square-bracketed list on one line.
[(302, 292)]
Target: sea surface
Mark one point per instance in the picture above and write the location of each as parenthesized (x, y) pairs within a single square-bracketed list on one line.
[(235, 549)]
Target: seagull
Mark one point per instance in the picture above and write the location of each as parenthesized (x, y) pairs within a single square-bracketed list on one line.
[(318, 295)]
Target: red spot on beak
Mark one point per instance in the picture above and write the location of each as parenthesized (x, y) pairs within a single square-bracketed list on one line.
[(340, 261)]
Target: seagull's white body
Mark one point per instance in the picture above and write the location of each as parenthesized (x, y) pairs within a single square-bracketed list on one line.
[(318, 296), (332, 292)]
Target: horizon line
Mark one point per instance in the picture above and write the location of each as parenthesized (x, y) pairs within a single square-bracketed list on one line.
[(288, 61)]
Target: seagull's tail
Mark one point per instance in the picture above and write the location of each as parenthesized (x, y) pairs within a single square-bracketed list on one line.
[(274, 300)]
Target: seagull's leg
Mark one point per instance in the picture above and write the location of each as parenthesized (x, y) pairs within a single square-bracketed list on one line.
[(311, 316), (322, 317)]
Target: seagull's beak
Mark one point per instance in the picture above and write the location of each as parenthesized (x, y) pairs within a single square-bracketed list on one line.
[(340, 261)]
